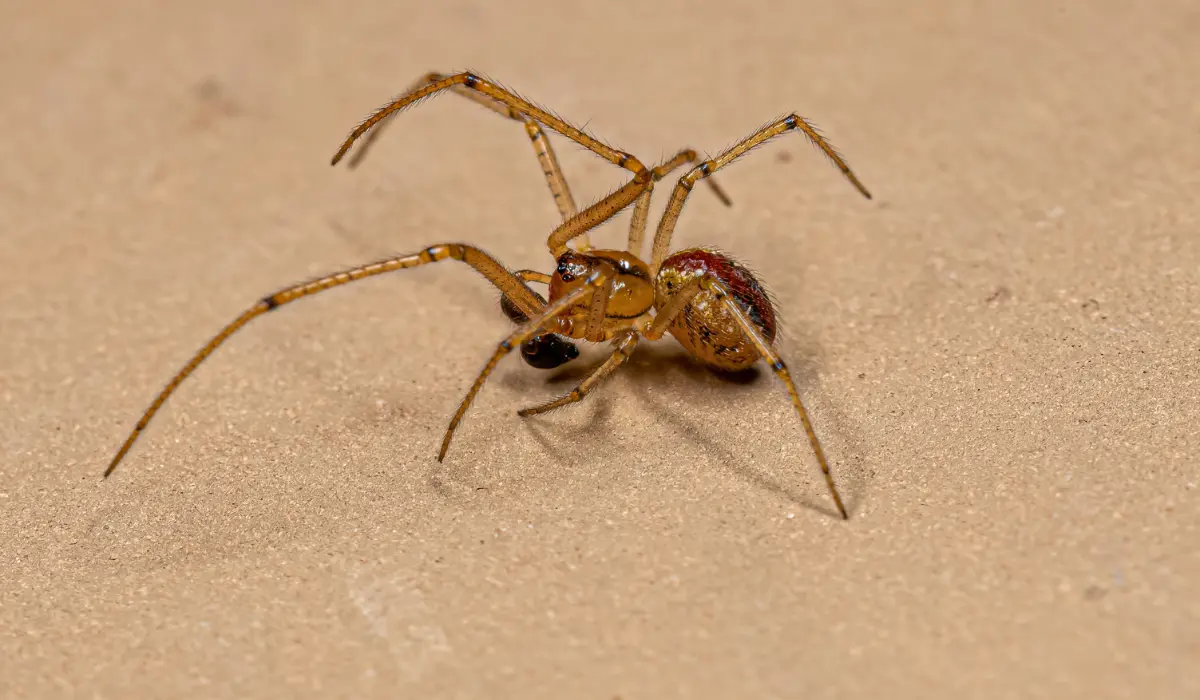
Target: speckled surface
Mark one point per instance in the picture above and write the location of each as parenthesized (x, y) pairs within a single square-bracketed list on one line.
[(1001, 353)]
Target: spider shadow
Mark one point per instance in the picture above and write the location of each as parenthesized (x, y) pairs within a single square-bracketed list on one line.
[(652, 370), (541, 431), (652, 375), (529, 382)]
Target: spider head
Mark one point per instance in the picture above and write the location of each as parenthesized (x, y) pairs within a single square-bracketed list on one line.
[(571, 271)]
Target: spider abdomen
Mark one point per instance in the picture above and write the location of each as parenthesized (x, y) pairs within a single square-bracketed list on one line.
[(706, 328)]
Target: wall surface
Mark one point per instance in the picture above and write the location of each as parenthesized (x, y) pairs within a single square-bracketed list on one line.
[(1000, 351)]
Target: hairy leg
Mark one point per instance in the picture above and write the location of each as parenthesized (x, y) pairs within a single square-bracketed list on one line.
[(547, 159), (577, 225), (509, 284), (597, 285), (666, 225), (721, 293), (641, 207), (623, 351)]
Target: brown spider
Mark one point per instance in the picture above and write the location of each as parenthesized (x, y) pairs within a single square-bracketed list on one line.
[(713, 306)]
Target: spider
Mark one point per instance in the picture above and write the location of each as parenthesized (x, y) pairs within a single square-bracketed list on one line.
[(712, 305)]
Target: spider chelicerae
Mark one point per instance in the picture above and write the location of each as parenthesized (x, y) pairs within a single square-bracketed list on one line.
[(713, 306)]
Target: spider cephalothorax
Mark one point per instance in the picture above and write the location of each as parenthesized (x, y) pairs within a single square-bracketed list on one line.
[(628, 292), (712, 305)]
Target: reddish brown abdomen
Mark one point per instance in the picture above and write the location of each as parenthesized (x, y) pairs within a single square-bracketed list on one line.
[(706, 328)]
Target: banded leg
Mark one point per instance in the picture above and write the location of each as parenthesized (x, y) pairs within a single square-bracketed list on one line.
[(666, 225), (597, 284), (623, 351), (641, 208), (528, 276), (508, 283), (577, 225), (509, 308), (557, 182), (721, 293)]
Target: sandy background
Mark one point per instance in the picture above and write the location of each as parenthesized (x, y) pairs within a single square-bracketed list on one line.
[(1000, 353)]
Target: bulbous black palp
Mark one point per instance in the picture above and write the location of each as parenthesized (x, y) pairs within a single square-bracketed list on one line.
[(548, 351), (544, 351)]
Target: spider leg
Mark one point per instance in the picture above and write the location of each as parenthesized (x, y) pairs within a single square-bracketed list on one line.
[(641, 207), (666, 225), (508, 283), (510, 309), (368, 141), (597, 285), (721, 293), (557, 182), (573, 227), (533, 276), (623, 351)]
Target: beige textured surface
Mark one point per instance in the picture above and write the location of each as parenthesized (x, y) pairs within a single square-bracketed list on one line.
[(1000, 352)]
